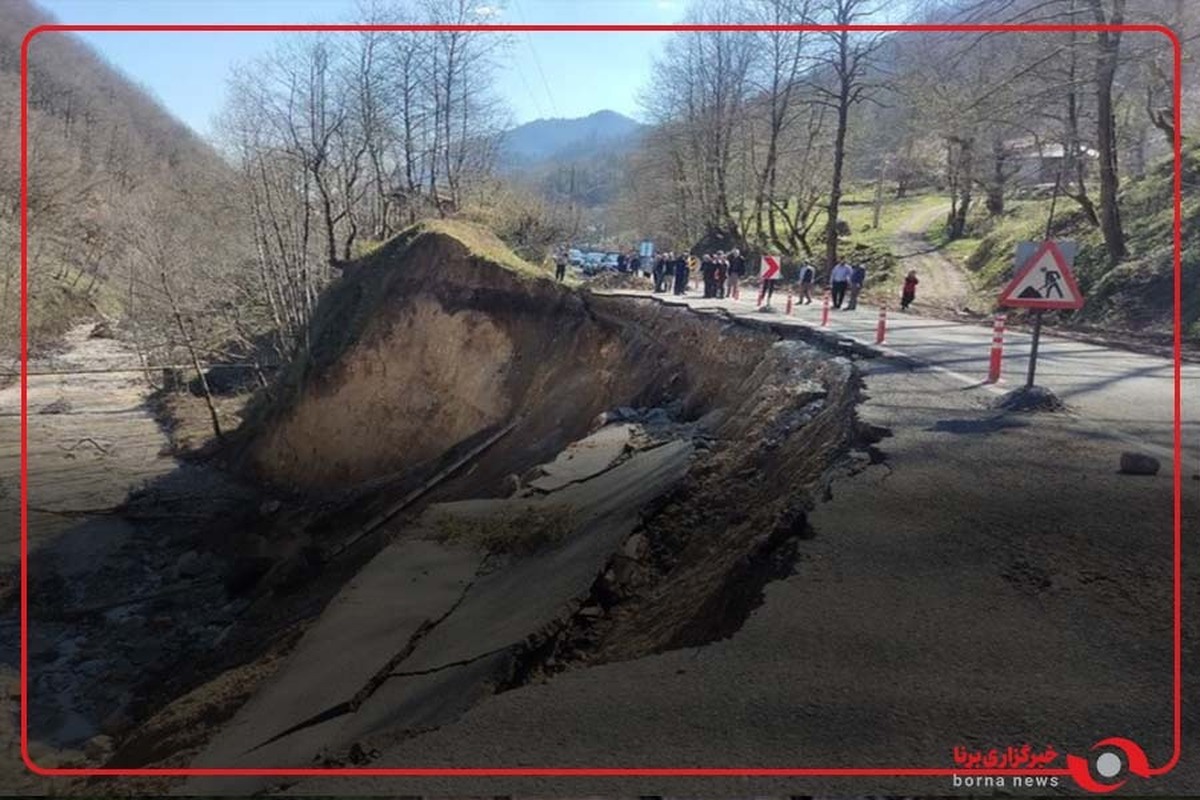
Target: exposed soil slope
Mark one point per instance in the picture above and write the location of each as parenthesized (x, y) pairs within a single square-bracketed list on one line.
[(416, 468)]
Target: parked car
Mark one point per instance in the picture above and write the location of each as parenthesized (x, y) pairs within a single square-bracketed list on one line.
[(611, 260), (575, 257), (593, 263)]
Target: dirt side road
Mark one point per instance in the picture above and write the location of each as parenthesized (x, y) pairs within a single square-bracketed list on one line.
[(944, 284)]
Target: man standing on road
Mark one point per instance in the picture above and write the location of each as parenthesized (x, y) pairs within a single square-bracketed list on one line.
[(839, 279), (807, 276), (560, 265), (708, 269), (737, 268), (858, 276), (660, 269), (681, 273)]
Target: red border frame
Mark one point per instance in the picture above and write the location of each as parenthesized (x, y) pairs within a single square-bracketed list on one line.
[(586, 771)]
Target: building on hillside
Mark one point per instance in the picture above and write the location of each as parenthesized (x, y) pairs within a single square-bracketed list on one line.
[(1037, 162)]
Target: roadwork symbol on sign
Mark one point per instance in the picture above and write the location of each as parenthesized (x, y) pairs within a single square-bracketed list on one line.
[(770, 268), (1044, 280)]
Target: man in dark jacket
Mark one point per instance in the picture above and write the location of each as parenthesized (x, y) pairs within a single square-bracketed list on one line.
[(681, 273), (708, 269), (858, 276)]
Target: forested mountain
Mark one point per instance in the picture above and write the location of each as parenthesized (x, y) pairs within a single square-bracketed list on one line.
[(127, 206), (566, 139)]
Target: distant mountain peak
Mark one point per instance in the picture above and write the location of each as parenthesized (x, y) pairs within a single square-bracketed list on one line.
[(564, 138)]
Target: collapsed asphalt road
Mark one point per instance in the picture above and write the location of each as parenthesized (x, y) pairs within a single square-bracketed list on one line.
[(992, 581), (732, 565), (479, 480)]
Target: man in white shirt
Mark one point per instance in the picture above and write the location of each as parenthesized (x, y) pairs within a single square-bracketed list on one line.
[(839, 280)]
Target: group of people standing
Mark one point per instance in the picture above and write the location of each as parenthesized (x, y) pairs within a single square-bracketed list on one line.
[(845, 277), (721, 272)]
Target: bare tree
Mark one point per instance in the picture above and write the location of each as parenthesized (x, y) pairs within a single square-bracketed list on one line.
[(841, 80), (777, 79)]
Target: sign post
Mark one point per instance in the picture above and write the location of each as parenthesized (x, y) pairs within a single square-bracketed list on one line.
[(1042, 281), (1033, 349), (646, 256)]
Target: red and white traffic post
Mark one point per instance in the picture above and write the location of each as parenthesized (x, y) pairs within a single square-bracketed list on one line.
[(881, 328), (789, 303), (997, 349), (825, 310)]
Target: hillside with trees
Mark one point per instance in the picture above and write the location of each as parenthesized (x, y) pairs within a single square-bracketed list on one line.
[(125, 202), (212, 251), (1070, 128)]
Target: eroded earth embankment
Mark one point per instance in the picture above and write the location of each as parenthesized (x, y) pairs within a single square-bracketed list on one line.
[(476, 479)]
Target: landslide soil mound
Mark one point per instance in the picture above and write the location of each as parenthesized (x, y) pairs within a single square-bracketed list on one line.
[(443, 373)]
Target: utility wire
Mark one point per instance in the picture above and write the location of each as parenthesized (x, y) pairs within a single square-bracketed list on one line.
[(537, 62)]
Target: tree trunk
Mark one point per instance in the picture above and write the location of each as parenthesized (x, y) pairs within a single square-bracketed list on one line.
[(958, 221), (1106, 130), (995, 187), (191, 348), (875, 212), (835, 189)]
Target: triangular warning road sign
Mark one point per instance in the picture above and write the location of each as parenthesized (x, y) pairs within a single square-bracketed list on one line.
[(1044, 281)]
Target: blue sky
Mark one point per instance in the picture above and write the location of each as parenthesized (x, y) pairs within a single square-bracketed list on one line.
[(546, 74)]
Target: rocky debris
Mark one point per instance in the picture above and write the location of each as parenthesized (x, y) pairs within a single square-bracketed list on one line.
[(269, 507), (1035, 398), (189, 565), (635, 546), (101, 330), (245, 573), (59, 406), (712, 420), (1138, 464), (98, 748), (793, 520), (511, 486)]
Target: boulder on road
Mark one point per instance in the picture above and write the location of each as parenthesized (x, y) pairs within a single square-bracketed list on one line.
[(1138, 464)]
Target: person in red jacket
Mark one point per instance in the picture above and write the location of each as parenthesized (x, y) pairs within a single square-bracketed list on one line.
[(910, 290)]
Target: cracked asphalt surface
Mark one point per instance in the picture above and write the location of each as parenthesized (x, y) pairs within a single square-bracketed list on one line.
[(993, 582)]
